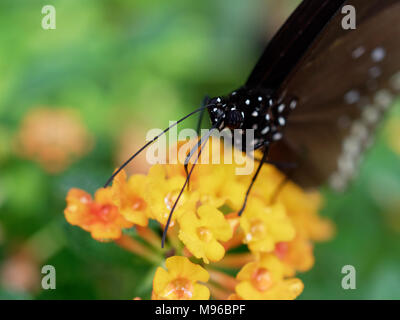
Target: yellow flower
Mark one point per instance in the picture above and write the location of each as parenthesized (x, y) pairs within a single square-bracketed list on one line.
[(201, 233), (297, 200), (305, 215), (129, 196), (265, 280), (100, 216), (266, 184), (237, 236), (161, 193), (264, 226), (180, 281), (208, 179)]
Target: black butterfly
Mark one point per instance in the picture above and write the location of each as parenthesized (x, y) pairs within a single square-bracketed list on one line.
[(317, 92)]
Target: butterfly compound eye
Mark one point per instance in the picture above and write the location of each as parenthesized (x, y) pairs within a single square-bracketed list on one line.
[(216, 110)]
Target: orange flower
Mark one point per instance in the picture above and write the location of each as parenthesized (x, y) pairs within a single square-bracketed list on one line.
[(100, 216), (296, 254), (265, 279), (180, 281), (20, 271), (53, 137), (129, 196)]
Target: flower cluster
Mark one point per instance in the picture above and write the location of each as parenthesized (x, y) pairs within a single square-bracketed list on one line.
[(53, 137), (265, 247)]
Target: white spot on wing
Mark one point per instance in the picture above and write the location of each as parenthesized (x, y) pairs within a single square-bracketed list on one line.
[(378, 54), (351, 146), (360, 137), (271, 102), (281, 108), (383, 98), (375, 72), (337, 182), (395, 81), (265, 130), (352, 96), (346, 164), (371, 114), (357, 53), (277, 136), (359, 131)]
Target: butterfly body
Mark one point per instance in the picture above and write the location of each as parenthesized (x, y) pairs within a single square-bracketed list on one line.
[(255, 109)]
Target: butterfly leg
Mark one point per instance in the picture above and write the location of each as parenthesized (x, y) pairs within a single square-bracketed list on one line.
[(198, 127), (288, 166), (201, 115), (264, 158)]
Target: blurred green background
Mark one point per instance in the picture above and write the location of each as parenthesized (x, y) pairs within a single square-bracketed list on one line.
[(124, 66)]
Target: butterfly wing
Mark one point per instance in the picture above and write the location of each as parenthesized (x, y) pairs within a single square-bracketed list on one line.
[(344, 81), (291, 42)]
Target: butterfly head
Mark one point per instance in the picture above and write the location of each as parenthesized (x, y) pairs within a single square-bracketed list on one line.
[(224, 111)]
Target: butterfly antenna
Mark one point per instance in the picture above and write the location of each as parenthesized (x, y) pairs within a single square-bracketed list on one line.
[(203, 143), (150, 142)]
